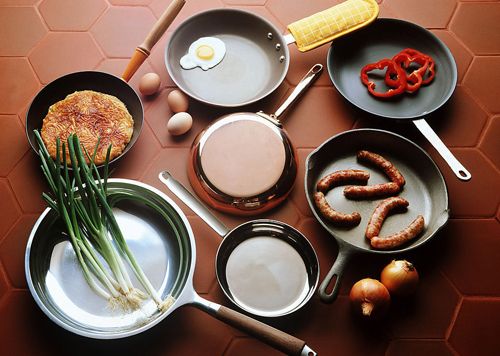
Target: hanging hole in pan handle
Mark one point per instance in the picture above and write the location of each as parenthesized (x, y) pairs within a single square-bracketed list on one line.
[(327, 291), (460, 171)]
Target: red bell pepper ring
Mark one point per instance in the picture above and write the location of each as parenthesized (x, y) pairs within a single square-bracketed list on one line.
[(399, 84), (415, 78), (428, 76)]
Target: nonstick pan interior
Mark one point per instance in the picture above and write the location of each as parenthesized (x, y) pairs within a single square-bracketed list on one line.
[(383, 39), (425, 188), (251, 68), (87, 80)]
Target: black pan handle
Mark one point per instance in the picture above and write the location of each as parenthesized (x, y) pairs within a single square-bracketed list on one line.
[(337, 271)]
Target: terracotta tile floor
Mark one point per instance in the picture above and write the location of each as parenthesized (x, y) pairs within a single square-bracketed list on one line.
[(456, 310)]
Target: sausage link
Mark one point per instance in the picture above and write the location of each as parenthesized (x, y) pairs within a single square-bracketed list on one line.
[(371, 191), (334, 216), (399, 238), (341, 177), (387, 167), (381, 212)]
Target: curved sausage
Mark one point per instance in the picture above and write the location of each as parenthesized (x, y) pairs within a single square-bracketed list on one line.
[(340, 177), (334, 216), (371, 191), (387, 167), (399, 238), (381, 212)]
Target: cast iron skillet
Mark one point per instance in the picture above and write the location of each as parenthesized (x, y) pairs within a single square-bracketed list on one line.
[(425, 190), (383, 39)]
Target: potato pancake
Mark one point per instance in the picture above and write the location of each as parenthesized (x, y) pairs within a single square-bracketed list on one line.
[(91, 115)]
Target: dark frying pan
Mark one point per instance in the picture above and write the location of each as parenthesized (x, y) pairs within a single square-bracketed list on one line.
[(425, 189), (257, 57), (383, 39), (102, 82)]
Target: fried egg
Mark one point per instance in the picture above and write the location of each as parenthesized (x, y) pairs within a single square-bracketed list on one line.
[(205, 52)]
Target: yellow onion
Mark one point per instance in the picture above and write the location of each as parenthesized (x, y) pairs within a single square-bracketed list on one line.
[(370, 298), (400, 277)]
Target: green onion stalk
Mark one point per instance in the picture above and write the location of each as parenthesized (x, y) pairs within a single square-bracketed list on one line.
[(82, 203)]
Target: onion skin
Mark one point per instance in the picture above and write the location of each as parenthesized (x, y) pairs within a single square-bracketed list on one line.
[(400, 277), (370, 298)]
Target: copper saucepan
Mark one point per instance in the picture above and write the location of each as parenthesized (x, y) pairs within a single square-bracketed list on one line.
[(244, 163)]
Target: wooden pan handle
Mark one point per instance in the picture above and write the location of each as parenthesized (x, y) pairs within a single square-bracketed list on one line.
[(144, 49), (288, 344)]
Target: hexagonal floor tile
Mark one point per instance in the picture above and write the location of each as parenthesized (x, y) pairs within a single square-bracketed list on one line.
[(116, 66), (489, 143), (190, 8), (477, 243), (18, 39), (298, 68), (419, 12), (461, 54), (138, 159), (18, 84), (130, 2), (257, 10), (206, 248), (478, 27), (461, 123), (4, 286), (427, 314), (419, 347), (18, 2), (117, 39), (13, 247), (158, 114), (28, 183), (244, 346), (61, 53), (78, 15), (12, 140), (475, 331), (482, 79), (474, 198), (8, 207), (324, 119)]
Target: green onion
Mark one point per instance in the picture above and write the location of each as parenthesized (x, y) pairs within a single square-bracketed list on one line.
[(84, 206)]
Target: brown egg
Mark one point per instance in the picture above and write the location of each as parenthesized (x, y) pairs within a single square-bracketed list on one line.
[(149, 84), (177, 101), (179, 123)]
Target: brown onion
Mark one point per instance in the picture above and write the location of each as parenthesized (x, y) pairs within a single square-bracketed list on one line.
[(370, 298), (400, 277)]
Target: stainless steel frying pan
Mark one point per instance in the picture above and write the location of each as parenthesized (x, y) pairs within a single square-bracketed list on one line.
[(257, 56), (167, 253), (425, 190), (265, 267)]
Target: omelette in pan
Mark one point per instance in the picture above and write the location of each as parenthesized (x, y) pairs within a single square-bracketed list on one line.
[(91, 115)]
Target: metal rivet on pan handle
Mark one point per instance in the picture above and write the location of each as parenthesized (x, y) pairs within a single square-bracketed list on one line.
[(269, 36)]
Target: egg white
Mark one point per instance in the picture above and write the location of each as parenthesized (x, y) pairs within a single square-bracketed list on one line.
[(191, 60)]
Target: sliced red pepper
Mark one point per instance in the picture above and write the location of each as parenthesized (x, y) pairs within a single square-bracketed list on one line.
[(428, 76), (415, 78), (398, 85)]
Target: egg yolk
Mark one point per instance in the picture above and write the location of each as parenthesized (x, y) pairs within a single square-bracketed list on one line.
[(205, 52)]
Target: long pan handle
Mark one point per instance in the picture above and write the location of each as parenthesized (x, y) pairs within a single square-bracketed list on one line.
[(460, 171), (278, 339), (304, 83), (144, 49), (193, 203)]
